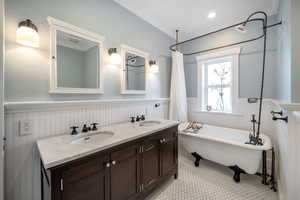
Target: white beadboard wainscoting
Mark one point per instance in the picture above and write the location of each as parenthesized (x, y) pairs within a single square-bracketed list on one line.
[(288, 139), (290, 154), (281, 133), (295, 160), (22, 175), (240, 119)]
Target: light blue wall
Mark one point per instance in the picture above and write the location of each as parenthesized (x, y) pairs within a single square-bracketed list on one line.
[(250, 60), (296, 51), (27, 69), (283, 72), (288, 72)]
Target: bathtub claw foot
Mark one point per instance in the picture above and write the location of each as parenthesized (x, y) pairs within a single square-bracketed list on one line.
[(237, 173), (198, 158)]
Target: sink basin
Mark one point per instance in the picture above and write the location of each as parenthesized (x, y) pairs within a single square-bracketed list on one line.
[(149, 123), (92, 136)]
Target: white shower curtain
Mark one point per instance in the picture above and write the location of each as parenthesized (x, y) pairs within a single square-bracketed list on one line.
[(178, 99)]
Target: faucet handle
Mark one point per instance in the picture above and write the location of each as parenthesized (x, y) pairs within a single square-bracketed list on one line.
[(94, 128), (132, 119), (85, 128), (74, 131), (138, 118)]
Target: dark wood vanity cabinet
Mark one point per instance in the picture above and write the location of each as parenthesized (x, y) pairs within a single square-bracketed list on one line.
[(151, 162), (159, 158), (125, 172), (169, 154), (86, 180)]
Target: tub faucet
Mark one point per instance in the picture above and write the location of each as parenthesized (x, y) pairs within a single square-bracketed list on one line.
[(253, 138), (254, 122)]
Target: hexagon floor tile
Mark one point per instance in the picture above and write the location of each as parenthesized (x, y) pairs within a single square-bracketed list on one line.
[(211, 181)]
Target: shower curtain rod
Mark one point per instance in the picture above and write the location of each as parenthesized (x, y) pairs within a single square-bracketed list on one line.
[(253, 138), (175, 46)]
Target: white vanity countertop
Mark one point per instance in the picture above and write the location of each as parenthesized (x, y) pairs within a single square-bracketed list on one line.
[(57, 150)]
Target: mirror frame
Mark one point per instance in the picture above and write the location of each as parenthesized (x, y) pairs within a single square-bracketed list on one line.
[(58, 25), (124, 50)]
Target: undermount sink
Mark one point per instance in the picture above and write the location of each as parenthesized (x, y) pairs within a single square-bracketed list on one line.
[(92, 136), (150, 123)]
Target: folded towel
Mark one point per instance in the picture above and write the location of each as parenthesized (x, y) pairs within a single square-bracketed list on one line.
[(191, 127), (196, 126), (183, 126)]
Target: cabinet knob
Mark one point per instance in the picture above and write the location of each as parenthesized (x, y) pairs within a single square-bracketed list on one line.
[(162, 140), (113, 162), (107, 165)]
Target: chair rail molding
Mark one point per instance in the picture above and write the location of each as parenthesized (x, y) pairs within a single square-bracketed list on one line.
[(27, 106)]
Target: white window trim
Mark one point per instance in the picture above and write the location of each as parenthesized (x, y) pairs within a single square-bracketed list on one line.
[(234, 53)]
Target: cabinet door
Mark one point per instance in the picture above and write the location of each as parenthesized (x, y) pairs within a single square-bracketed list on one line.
[(125, 172), (169, 151), (151, 165), (87, 180)]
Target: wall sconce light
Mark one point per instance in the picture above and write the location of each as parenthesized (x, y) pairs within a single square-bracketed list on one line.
[(153, 66), (27, 34), (115, 58)]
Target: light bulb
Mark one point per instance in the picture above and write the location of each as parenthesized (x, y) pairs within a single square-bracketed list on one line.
[(153, 67), (115, 59), (27, 35)]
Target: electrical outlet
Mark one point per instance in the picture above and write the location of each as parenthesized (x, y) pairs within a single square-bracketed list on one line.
[(25, 127)]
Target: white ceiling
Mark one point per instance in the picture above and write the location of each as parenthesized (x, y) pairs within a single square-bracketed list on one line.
[(190, 16)]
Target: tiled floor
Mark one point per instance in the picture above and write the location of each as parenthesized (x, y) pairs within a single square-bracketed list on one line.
[(211, 182)]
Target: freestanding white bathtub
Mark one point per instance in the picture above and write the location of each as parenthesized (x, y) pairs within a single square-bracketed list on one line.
[(226, 146)]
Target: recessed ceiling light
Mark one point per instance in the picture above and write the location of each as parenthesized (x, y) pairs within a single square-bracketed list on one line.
[(212, 15)]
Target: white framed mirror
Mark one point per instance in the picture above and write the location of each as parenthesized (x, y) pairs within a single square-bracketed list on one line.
[(133, 73), (76, 59)]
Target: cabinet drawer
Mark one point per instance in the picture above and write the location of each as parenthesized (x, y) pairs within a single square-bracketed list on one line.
[(84, 168), (124, 153)]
